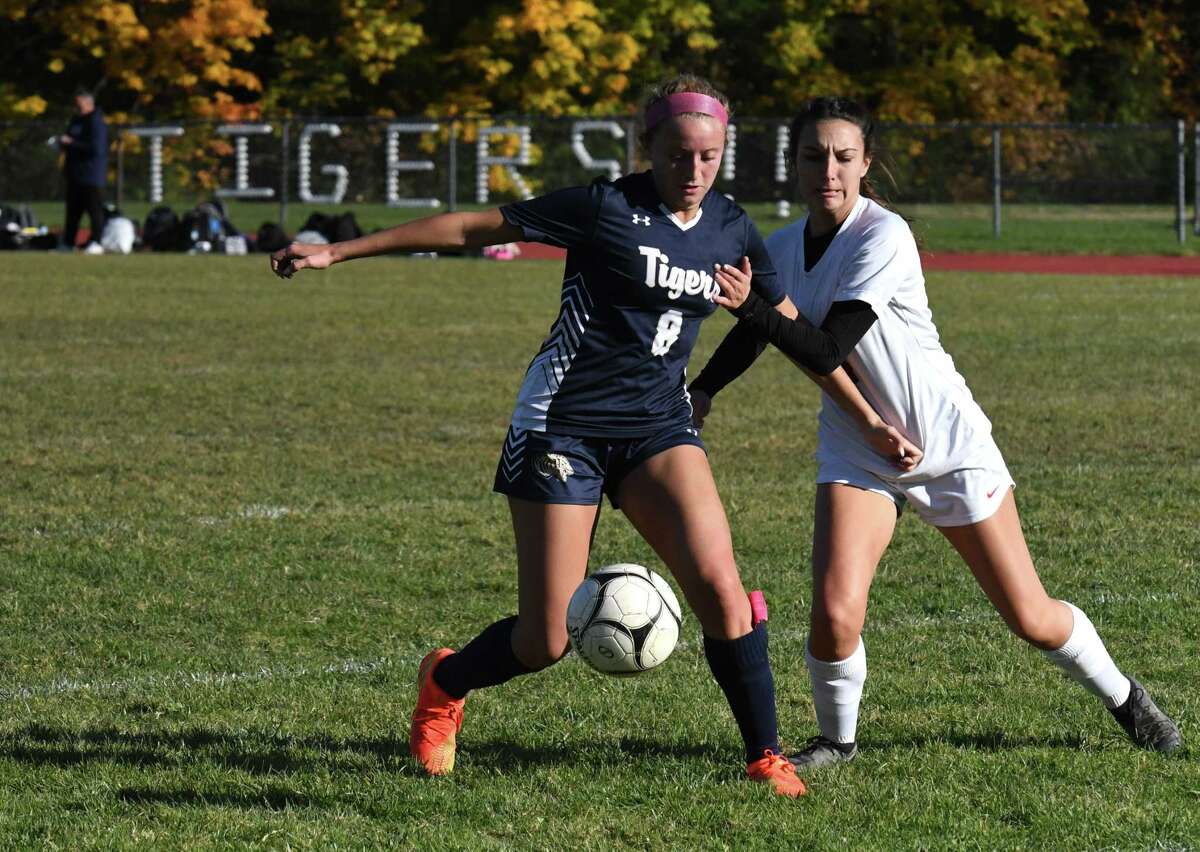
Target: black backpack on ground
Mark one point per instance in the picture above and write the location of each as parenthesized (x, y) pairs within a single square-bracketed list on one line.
[(202, 229), (337, 228), (345, 228), (10, 228), (19, 228), (161, 232), (318, 222), (271, 237)]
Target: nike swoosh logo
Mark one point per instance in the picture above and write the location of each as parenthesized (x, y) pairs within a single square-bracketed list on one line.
[(993, 491)]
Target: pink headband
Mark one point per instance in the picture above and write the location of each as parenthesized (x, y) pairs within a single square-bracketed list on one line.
[(682, 102)]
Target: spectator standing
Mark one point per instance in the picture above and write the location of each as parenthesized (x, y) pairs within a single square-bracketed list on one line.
[(86, 168)]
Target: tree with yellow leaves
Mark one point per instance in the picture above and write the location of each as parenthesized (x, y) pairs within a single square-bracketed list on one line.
[(162, 59), (911, 60)]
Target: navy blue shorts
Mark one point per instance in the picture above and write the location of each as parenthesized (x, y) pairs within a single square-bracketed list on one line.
[(545, 468)]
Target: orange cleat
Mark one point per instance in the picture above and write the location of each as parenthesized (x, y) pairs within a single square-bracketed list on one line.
[(777, 770), (435, 720)]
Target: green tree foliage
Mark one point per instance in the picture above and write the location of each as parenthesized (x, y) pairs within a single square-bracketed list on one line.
[(149, 56), (1143, 62), (914, 60)]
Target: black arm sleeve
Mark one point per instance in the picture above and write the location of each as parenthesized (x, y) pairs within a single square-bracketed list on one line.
[(733, 357), (821, 350)]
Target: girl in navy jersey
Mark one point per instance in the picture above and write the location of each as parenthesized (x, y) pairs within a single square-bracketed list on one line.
[(852, 268), (604, 409)]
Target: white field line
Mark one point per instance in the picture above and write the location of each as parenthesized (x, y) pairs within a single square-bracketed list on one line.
[(409, 660), (255, 511)]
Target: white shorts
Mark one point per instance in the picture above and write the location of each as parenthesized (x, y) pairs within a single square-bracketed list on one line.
[(967, 495)]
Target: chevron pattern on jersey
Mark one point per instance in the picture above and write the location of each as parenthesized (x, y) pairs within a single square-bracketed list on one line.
[(513, 453), (566, 334)]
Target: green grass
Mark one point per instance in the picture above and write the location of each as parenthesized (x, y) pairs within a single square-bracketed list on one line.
[(1025, 228), (235, 511)]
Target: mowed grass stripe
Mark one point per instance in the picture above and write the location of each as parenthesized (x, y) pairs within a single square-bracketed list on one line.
[(159, 414)]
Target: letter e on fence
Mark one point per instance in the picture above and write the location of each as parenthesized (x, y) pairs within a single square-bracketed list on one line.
[(395, 165)]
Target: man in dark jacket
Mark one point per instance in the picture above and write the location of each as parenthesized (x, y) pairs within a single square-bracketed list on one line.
[(86, 146)]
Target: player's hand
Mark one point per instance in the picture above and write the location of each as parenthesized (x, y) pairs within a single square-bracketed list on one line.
[(734, 282), (288, 261), (65, 140), (701, 406), (892, 445)]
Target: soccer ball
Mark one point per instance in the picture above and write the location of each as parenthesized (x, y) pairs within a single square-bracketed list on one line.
[(623, 619)]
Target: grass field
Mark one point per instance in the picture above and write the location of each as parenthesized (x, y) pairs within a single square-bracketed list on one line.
[(1026, 228), (235, 511)]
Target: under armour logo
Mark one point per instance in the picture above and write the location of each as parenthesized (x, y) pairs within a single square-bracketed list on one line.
[(641, 220)]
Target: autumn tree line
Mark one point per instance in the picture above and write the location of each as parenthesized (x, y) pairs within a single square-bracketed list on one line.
[(911, 60)]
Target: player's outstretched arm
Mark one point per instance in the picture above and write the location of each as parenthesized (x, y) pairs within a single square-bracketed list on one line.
[(443, 232), (835, 381)]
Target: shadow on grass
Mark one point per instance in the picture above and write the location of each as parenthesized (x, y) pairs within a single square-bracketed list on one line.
[(256, 752), (984, 741), (273, 798), (271, 753), (506, 755)]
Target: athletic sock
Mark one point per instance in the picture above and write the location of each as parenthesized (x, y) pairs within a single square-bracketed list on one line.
[(743, 671), (837, 691), (1086, 660), (487, 660)]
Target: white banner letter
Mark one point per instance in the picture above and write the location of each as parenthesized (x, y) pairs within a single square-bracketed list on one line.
[(340, 173), (395, 165), (484, 160), (584, 156), (783, 137), (156, 136), (242, 187)]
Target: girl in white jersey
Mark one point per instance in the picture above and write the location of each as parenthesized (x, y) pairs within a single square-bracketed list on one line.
[(628, 361), (852, 268)]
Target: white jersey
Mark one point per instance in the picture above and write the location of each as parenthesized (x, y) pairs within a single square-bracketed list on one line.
[(901, 367)]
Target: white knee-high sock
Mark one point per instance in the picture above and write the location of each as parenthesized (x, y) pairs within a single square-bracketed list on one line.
[(1086, 660), (837, 691)]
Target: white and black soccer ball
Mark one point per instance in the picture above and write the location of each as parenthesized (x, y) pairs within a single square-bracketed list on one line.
[(624, 619)]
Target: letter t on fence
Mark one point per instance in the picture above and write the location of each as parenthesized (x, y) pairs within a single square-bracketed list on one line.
[(156, 136)]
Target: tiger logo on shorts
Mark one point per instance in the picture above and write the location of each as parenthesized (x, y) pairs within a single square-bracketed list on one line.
[(553, 464)]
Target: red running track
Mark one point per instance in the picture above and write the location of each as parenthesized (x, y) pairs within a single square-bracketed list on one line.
[(1030, 264)]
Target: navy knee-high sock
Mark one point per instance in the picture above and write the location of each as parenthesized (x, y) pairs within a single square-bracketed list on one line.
[(743, 670), (487, 660)]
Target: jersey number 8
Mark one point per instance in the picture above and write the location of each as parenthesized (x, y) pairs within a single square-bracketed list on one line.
[(669, 326)]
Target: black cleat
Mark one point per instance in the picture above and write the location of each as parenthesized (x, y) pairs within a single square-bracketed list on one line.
[(1148, 727), (821, 752)]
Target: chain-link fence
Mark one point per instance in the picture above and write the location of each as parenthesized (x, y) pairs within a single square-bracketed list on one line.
[(422, 162)]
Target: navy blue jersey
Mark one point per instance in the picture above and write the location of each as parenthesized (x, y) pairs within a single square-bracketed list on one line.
[(638, 282)]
